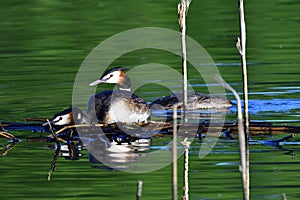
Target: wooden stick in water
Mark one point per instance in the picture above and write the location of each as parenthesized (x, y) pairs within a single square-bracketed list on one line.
[(139, 190), (8, 135), (78, 126), (186, 145), (36, 119), (174, 150)]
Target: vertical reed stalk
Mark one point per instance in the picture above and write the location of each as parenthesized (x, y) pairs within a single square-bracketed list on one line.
[(183, 6), (283, 196), (242, 49), (241, 45), (244, 167), (174, 150), (186, 145), (139, 190)]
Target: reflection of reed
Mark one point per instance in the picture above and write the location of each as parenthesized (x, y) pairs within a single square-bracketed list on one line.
[(70, 151), (53, 163)]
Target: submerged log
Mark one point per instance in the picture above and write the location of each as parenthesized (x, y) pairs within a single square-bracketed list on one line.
[(166, 128)]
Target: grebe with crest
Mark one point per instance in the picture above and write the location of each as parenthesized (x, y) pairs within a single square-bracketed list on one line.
[(112, 106)]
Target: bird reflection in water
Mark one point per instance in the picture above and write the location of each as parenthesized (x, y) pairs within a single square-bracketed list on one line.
[(103, 151), (106, 145)]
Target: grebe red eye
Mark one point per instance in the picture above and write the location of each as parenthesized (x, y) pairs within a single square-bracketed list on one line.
[(111, 75)]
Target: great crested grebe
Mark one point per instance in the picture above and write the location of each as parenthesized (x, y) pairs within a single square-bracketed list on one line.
[(118, 105), (195, 100)]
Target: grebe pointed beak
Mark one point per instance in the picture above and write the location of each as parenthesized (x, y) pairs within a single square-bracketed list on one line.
[(96, 82), (46, 123)]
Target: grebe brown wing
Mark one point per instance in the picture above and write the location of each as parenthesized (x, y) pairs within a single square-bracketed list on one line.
[(195, 100), (98, 106), (117, 106)]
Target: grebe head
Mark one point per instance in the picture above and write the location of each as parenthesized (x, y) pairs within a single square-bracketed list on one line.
[(115, 75), (68, 116)]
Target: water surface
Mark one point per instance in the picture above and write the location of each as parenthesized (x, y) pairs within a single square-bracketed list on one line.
[(43, 43)]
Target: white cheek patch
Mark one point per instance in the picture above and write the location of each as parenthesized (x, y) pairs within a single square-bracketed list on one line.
[(112, 79), (61, 120)]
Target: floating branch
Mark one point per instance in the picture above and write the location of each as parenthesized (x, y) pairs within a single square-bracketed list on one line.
[(36, 119), (163, 128), (79, 126), (256, 128), (8, 136)]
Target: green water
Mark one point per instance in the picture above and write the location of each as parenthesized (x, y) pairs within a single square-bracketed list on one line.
[(43, 43)]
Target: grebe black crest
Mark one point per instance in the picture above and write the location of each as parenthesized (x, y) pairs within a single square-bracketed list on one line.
[(118, 105), (194, 101), (115, 75)]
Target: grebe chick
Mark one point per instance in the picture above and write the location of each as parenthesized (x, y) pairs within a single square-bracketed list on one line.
[(194, 101), (69, 116), (73, 115), (119, 105)]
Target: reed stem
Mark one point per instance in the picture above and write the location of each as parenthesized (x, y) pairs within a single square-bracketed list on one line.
[(139, 190), (242, 50), (174, 154), (183, 6), (244, 166), (186, 145)]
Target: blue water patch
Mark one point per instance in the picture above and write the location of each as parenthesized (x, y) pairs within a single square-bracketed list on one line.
[(271, 105)]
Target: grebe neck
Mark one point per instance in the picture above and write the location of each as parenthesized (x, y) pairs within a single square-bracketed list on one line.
[(125, 89), (124, 82)]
